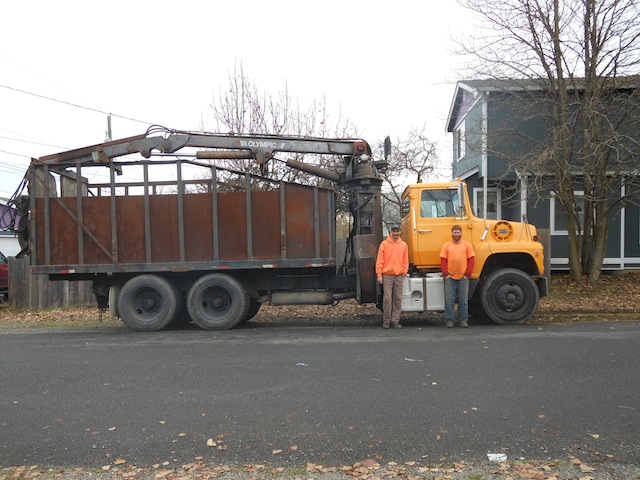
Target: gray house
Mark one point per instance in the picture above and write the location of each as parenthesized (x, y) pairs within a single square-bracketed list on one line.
[(477, 120)]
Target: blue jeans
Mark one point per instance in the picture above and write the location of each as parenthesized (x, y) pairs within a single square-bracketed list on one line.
[(456, 291)]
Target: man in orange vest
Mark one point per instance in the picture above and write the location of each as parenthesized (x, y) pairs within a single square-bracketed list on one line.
[(392, 265), (457, 259)]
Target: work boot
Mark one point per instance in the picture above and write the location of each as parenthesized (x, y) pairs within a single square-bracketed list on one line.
[(397, 325), (385, 325), (464, 324), (449, 323)]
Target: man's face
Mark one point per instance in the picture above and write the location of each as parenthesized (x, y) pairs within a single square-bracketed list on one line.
[(456, 235), (395, 233)]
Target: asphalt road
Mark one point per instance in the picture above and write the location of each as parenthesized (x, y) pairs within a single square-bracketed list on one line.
[(332, 395)]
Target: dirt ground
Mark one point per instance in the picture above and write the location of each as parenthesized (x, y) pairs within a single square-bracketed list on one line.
[(613, 298)]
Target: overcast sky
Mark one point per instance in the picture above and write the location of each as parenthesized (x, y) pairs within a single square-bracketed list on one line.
[(387, 66)]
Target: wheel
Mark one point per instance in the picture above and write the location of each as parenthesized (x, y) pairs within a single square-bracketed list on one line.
[(181, 317), (252, 311), (217, 302), (509, 296), (147, 303)]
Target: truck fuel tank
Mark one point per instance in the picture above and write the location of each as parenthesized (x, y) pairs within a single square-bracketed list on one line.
[(421, 294)]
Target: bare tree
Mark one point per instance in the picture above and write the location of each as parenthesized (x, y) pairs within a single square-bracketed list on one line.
[(242, 108), (413, 160), (577, 59)]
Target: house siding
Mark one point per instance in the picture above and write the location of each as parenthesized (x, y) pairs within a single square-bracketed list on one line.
[(523, 118)]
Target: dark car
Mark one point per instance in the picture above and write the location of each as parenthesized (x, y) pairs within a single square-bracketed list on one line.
[(4, 274)]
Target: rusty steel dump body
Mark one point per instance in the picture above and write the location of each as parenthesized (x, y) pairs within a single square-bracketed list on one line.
[(289, 227)]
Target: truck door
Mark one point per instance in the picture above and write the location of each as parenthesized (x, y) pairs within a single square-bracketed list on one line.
[(434, 216)]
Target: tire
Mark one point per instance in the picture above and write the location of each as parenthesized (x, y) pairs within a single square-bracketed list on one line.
[(147, 303), (181, 317), (252, 311), (217, 302), (509, 296)]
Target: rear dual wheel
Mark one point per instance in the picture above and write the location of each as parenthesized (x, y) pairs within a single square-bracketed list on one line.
[(218, 302), (148, 303)]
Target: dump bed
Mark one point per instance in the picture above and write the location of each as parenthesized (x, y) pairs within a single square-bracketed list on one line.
[(181, 225)]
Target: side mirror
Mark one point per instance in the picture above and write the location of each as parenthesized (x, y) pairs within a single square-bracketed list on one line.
[(461, 199)]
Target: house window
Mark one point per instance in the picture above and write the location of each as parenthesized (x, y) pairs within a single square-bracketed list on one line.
[(460, 142), (494, 201), (559, 221)]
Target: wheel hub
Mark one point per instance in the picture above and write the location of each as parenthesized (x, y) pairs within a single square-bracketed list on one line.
[(509, 297), (148, 303), (217, 302)]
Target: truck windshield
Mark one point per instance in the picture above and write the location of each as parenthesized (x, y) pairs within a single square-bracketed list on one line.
[(438, 203)]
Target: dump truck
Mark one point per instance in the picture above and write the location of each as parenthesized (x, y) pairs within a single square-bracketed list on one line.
[(169, 234)]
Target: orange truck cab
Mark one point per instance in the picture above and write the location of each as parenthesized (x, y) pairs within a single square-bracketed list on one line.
[(508, 277)]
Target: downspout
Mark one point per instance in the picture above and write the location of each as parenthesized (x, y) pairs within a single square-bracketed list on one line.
[(524, 193), (622, 226), (485, 160)]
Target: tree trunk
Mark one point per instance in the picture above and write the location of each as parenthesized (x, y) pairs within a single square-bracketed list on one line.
[(575, 267)]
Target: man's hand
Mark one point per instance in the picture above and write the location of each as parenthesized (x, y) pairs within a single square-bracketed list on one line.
[(380, 279)]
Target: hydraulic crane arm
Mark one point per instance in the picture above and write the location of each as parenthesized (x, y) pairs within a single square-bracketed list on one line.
[(261, 148)]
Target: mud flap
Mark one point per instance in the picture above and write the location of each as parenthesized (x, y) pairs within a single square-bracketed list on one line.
[(365, 248), (366, 291)]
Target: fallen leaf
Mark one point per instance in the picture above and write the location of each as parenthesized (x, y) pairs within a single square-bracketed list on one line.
[(182, 434), (277, 452), (293, 448), (106, 467), (119, 461), (211, 443), (595, 435), (586, 468)]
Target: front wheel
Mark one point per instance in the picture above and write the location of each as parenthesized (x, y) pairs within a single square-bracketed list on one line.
[(217, 302), (509, 296)]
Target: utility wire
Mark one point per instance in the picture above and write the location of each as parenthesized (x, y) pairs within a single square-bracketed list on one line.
[(75, 105), (32, 142), (16, 154)]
